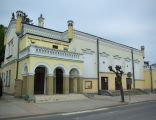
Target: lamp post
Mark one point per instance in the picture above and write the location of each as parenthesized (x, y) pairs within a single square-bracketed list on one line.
[(118, 73)]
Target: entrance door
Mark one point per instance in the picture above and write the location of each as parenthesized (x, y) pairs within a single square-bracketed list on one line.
[(104, 83), (59, 81), (117, 84), (39, 80)]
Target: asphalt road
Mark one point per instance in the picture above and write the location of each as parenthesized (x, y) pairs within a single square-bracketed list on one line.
[(139, 111)]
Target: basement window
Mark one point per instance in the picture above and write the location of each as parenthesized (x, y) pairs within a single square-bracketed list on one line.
[(55, 46), (65, 49)]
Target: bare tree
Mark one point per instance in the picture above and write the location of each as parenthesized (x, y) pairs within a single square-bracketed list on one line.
[(118, 73)]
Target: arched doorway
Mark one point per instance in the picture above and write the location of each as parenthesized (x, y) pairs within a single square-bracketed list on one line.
[(73, 80), (39, 80), (59, 80)]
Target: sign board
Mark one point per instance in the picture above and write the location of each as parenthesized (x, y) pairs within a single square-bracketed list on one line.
[(129, 81), (129, 74)]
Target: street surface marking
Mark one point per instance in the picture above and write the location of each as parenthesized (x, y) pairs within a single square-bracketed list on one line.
[(85, 111)]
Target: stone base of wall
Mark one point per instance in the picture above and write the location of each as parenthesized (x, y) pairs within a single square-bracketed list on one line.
[(54, 98)]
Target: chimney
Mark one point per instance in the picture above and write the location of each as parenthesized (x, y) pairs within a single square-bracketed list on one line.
[(70, 30), (143, 51), (19, 15), (41, 21)]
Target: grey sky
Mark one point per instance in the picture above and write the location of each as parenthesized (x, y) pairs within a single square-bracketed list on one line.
[(130, 22)]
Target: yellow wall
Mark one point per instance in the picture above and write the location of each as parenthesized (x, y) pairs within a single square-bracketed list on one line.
[(41, 42), (139, 84), (111, 80), (22, 64), (23, 43), (70, 32), (19, 24), (94, 86), (147, 76), (154, 79), (32, 61)]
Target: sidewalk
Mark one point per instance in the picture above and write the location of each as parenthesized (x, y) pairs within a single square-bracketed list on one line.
[(11, 107)]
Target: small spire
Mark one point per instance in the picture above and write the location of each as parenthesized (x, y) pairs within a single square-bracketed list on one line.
[(41, 21), (13, 16)]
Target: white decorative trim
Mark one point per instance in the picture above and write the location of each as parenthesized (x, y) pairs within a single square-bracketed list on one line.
[(23, 69), (116, 57), (76, 67), (44, 32), (87, 51), (28, 74), (62, 67), (136, 61), (104, 54), (94, 38), (127, 59), (46, 52), (49, 71)]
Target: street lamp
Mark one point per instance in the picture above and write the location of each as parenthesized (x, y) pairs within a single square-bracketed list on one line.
[(118, 73)]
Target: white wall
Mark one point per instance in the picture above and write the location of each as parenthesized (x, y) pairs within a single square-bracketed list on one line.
[(104, 64)]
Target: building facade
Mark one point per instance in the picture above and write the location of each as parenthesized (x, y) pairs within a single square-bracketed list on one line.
[(150, 76), (39, 60)]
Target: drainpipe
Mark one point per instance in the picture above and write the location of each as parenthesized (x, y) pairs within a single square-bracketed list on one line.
[(151, 79), (17, 58), (98, 64), (133, 68)]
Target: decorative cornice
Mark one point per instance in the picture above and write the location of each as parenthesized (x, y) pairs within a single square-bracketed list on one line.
[(31, 29), (88, 51), (127, 59), (116, 57), (94, 38), (136, 61), (104, 54)]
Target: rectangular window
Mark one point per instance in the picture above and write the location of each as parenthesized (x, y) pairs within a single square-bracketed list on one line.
[(65, 49), (10, 49), (104, 83), (6, 79), (55, 46), (2, 77), (9, 78), (88, 84)]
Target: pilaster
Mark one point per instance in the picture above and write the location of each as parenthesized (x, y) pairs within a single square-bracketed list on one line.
[(50, 85), (66, 85), (30, 85), (24, 89)]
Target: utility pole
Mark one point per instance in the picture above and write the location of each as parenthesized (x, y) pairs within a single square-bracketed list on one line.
[(98, 65), (133, 68)]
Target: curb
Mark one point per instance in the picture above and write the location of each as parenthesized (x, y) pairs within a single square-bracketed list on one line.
[(59, 113)]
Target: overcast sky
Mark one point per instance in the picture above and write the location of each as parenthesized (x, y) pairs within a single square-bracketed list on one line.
[(129, 22)]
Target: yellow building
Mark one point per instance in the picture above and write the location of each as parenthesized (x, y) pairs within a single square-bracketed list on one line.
[(39, 60), (150, 77)]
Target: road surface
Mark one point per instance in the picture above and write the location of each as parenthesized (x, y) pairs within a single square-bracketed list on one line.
[(138, 111)]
